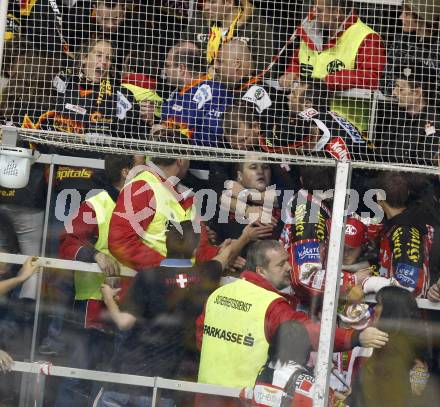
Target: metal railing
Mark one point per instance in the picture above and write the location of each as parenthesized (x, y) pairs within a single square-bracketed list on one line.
[(327, 326), (42, 370)]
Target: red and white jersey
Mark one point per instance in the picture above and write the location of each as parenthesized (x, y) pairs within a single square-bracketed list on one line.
[(404, 255), (305, 237), (289, 385), (347, 366)]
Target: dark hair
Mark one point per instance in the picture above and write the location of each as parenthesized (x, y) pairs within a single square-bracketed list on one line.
[(316, 93), (27, 91), (114, 164), (396, 187), (256, 255), (399, 310), (344, 4), (193, 59), (171, 136), (240, 166), (291, 343), (182, 240), (163, 162), (316, 178)]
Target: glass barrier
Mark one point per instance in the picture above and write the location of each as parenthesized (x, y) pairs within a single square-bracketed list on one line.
[(214, 271), (150, 328)]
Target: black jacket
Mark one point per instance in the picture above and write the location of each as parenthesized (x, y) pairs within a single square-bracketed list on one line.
[(405, 138)]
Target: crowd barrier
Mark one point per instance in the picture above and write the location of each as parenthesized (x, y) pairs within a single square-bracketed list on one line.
[(60, 264), (42, 370), (343, 171)]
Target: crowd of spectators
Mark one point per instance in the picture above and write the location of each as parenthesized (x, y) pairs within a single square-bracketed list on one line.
[(222, 300)]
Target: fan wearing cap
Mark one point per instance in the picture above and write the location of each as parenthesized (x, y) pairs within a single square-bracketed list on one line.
[(355, 237), (140, 91), (410, 134)]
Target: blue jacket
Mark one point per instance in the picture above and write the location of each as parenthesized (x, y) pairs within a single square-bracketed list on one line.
[(197, 111)]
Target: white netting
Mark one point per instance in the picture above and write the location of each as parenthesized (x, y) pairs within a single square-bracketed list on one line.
[(215, 79)]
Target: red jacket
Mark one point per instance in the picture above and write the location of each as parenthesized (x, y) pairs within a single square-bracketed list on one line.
[(279, 311), (282, 310), (126, 245), (77, 241), (370, 61)]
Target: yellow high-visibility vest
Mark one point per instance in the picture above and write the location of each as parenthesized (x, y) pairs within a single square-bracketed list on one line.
[(88, 285), (167, 208), (234, 346), (341, 56)]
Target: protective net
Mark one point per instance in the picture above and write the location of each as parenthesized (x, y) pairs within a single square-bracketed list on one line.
[(307, 81)]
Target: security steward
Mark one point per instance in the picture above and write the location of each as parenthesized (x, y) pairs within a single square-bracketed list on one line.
[(86, 239), (241, 318), (144, 207), (339, 50)]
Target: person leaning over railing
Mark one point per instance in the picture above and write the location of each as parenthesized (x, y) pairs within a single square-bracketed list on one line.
[(86, 239), (303, 123), (146, 203), (28, 269)]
